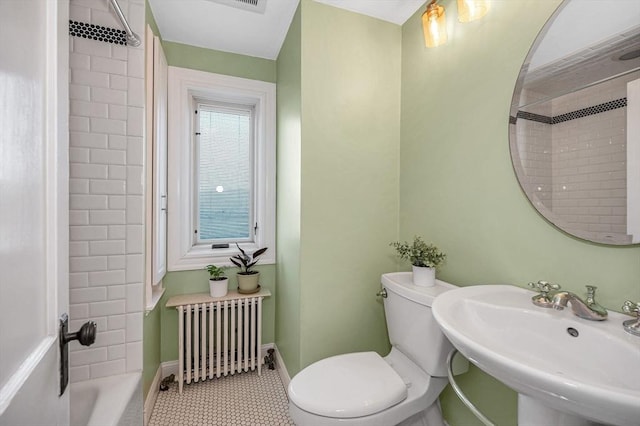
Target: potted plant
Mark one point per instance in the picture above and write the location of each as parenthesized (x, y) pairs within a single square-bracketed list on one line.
[(424, 259), (247, 277), (218, 281)]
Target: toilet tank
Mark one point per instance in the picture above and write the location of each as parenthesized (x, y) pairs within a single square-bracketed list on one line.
[(412, 328)]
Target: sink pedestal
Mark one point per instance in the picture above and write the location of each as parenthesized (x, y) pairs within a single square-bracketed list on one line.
[(532, 412)]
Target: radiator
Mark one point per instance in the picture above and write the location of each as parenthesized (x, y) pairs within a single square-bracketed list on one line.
[(219, 337)]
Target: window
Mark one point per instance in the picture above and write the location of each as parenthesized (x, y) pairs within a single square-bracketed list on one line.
[(221, 168), (223, 192)]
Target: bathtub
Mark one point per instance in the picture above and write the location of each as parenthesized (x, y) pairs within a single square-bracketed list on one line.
[(108, 401)]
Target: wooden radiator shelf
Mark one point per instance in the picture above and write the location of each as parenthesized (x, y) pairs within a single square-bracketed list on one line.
[(190, 299)]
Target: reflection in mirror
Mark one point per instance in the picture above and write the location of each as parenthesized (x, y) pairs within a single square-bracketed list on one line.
[(574, 128)]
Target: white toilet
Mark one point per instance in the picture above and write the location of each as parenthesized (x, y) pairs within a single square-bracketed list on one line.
[(366, 389)]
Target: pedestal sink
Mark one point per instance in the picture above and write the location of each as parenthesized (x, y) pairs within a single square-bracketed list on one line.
[(566, 370)]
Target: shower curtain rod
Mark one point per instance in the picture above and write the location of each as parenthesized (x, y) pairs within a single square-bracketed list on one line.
[(132, 38)]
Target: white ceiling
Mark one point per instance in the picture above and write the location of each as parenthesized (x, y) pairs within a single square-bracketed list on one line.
[(582, 23), (215, 26), (582, 45)]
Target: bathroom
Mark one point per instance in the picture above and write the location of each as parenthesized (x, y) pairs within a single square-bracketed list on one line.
[(416, 142)]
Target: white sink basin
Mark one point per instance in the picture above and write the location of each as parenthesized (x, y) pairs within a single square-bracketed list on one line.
[(594, 375)]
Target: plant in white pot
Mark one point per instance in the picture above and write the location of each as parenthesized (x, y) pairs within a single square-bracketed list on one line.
[(218, 281), (424, 259), (247, 277)]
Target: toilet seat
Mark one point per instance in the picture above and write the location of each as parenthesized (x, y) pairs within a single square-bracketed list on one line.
[(347, 386)]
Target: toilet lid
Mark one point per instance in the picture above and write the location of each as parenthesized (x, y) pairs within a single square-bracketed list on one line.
[(346, 386)]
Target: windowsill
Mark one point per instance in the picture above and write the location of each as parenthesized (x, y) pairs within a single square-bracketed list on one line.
[(158, 291), (198, 257)]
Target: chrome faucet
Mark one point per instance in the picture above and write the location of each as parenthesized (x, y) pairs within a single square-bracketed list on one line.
[(587, 309)]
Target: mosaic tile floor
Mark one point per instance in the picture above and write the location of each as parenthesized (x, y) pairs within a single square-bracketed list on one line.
[(242, 399)]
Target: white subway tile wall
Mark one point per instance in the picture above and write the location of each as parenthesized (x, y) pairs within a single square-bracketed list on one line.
[(589, 163), (106, 155), (536, 153), (577, 168)]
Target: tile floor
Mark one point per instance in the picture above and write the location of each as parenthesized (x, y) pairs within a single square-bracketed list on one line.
[(242, 399)]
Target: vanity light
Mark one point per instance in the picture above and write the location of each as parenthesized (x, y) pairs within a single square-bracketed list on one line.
[(470, 10), (434, 25)]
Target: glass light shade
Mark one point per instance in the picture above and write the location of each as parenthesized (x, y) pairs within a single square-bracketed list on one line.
[(434, 25), (470, 10)]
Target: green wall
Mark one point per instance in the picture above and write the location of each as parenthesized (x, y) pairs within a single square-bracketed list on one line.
[(160, 325), (151, 348), (338, 135), (349, 205), (201, 59), (457, 186), (289, 98)]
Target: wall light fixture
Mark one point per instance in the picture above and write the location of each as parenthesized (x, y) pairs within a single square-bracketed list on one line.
[(434, 23)]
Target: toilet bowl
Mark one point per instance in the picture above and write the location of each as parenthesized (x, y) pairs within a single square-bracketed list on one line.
[(364, 388)]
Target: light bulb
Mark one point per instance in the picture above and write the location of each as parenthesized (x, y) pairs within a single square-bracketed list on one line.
[(434, 25)]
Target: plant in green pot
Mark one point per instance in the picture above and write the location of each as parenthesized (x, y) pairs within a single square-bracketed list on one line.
[(218, 281), (247, 277), (424, 259)]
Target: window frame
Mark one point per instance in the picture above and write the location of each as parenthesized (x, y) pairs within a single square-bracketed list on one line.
[(186, 85)]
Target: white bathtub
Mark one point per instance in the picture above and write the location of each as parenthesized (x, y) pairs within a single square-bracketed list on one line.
[(108, 401)]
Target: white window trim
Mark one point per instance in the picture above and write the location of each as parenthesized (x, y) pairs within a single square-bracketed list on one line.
[(184, 84)]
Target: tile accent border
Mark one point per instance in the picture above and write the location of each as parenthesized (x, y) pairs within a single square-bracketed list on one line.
[(584, 112), (97, 32), (534, 117)]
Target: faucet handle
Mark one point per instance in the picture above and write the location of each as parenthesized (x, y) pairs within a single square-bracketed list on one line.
[(631, 308), (591, 294), (633, 325), (544, 288)]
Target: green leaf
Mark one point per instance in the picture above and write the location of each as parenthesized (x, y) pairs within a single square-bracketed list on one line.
[(259, 252)]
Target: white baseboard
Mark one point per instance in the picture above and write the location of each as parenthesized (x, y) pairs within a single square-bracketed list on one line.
[(152, 394), (171, 367), (282, 369)]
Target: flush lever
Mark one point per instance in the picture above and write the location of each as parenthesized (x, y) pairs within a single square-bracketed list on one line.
[(382, 293)]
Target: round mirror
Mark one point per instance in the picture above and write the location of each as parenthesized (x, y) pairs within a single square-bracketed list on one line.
[(574, 125)]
